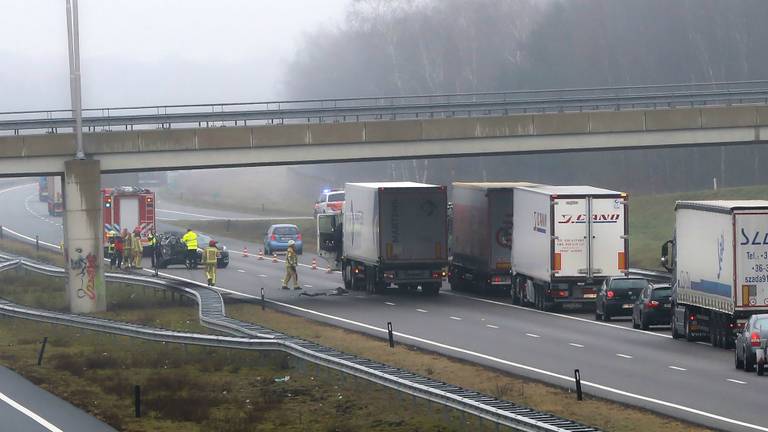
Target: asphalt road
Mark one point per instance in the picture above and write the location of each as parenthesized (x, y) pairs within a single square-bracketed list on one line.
[(25, 407), (646, 368)]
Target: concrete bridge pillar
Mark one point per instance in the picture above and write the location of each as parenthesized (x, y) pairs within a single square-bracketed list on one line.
[(83, 232)]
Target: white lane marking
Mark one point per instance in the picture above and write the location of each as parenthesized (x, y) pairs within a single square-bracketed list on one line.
[(568, 379), (241, 270), (736, 381), (576, 345), (624, 356), (559, 315), (27, 412), (456, 318), (422, 310), (307, 286), (703, 343), (678, 368), (492, 326), (263, 275), (532, 335), (389, 303)]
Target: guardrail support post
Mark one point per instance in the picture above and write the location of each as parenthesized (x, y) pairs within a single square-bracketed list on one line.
[(391, 336), (137, 400), (577, 376), (1, 232), (42, 351), (37, 243), (262, 298)]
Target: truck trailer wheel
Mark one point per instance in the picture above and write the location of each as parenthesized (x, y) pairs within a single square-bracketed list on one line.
[(345, 276)]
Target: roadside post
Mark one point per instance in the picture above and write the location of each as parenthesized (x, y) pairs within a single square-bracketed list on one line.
[(577, 377), (42, 351), (137, 400), (262, 298), (391, 335)]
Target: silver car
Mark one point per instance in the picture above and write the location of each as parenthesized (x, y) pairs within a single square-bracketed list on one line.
[(751, 344)]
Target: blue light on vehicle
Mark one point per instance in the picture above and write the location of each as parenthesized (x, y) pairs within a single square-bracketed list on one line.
[(326, 190)]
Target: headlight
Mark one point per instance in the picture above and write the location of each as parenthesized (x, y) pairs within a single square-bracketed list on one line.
[(223, 248)]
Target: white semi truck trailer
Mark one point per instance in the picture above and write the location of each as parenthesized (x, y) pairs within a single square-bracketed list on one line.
[(566, 240), (481, 241), (719, 263)]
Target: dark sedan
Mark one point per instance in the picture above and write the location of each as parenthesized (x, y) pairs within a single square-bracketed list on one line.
[(173, 250), (617, 297), (749, 341), (653, 307)]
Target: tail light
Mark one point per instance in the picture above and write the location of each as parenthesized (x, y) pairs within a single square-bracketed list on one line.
[(610, 294), (438, 274), (692, 317), (274, 237), (755, 339), (653, 304), (298, 236)]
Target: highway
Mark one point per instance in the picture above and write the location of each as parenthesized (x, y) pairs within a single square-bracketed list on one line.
[(691, 381), (25, 407)]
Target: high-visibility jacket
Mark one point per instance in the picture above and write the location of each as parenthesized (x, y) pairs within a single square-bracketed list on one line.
[(210, 255), (152, 239), (136, 244), (190, 239), (291, 259)]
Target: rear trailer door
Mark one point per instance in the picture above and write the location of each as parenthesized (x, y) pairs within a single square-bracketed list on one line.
[(129, 212), (570, 252), (413, 225), (609, 257), (751, 273), (589, 237)]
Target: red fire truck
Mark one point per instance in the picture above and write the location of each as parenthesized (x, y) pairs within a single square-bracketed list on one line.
[(128, 207)]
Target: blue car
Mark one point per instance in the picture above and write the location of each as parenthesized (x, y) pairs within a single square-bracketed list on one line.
[(278, 236)]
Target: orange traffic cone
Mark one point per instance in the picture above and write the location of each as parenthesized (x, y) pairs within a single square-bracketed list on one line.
[(245, 251), (261, 254), (314, 264), (274, 257)]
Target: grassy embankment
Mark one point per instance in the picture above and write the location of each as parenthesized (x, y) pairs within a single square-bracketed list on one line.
[(189, 388), (652, 219), (548, 398)]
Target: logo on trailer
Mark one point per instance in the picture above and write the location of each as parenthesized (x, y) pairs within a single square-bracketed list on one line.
[(540, 222), (720, 253), (610, 218)]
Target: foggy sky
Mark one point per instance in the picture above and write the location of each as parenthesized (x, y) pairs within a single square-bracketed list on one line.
[(151, 52)]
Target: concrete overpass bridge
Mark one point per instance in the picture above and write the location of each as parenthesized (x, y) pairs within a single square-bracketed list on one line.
[(314, 131)]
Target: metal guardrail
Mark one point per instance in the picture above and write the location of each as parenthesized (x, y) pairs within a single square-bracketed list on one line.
[(652, 275), (394, 107), (212, 311)]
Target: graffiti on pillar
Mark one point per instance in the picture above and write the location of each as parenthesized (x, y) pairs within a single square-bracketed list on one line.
[(86, 268)]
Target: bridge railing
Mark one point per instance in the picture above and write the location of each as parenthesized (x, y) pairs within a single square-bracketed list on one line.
[(392, 107)]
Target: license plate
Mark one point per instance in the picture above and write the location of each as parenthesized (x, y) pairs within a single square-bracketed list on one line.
[(415, 274), (667, 306), (593, 295), (626, 306)]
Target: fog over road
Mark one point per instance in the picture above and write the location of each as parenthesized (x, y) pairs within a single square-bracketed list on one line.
[(646, 368)]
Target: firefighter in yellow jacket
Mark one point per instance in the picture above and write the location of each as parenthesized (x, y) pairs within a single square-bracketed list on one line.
[(291, 261), (211, 256)]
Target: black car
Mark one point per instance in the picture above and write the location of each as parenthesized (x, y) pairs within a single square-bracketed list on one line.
[(174, 251), (617, 296), (749, 340), (653, 307)]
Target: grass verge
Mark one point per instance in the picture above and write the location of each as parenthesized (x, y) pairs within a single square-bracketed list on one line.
[(18, 247), (609, 416), (190, 388), (652, 219)]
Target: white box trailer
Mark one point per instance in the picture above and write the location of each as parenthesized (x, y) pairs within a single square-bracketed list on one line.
[(481, 240), (566, 241), (55, 196), (719, 260), (394, 234)]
